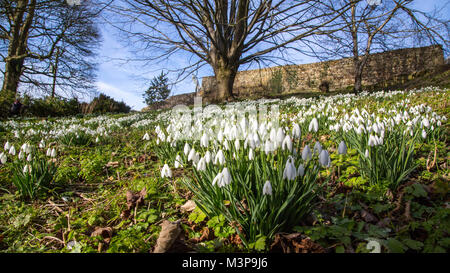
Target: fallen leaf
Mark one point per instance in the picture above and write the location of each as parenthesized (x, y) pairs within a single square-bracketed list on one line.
[(188, 206), (106, 233), (136, 199), (169, 233), (295, 243)]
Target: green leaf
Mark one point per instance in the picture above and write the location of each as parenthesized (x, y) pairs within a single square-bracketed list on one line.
[(395, 246), (413, 244), (340, 249)]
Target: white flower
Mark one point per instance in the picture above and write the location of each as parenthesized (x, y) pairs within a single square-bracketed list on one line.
[(191, 155), (223, 178), (21, 155), (424, 134), (324, 158), (280, 137), (237, 144), (301, 170), (97, 139), (42, 144), (7, 146), (25, 169), (267, 188), (12, 150), (226, 176), (426, 122), (29, 158), (366, 154), (296, 133), (178, 162), (53, 154), (204, 140), (166, 172), (3, 158), (313, 125), (49, 152), (306, 153), (201, 166), (290, 172), (251, 154), (317, 147), (220, 158), (208, 157), (268, 147), (186, 149), (342, 148), (372, 141), (287, 143)]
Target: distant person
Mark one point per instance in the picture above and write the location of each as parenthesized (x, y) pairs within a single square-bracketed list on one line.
[(15, 108)]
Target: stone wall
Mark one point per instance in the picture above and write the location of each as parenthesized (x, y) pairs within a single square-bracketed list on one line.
[(381, 70), (170, 102)]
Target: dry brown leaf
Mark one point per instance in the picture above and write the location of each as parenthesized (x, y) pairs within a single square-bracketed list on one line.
[(106, 233), (295, 243), (188, 206), (169, 233)]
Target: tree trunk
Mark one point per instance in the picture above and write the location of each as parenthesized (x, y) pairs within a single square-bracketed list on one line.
[(13, 71), (358, 77), (225, 78)]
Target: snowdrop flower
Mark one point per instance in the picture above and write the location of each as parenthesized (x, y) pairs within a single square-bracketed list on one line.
[(267, 188), (53, 153), (296, 133), (290, 172), (201, 166), (208, 157), (237, 144), (178, 162), (42, 144), (342, 150), (251, 154), (424, 134), (218, 180), (220, 158), (280, 136), (268, 147), (301, 170), (313, 125), (223, 178), (317, 147), (49, 152), (287, 143), (372, 141), (226, 176), (12, 150), (186, 149), (166, 172), (204, 140), (29, 158), (21, 155), (97, 139), (3, 158), (191, 155), (324, 158), (26, 169), (366, 154), (306, 153), (426, 122), (7, 146)]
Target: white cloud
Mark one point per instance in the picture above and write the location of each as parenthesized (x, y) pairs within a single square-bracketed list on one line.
[(133, 100)]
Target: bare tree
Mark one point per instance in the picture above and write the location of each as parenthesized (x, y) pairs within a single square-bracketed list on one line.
[(374, 26), (223, 33), (48, 44)]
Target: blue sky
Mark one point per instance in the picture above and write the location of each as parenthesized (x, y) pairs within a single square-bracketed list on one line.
[(123, 81)]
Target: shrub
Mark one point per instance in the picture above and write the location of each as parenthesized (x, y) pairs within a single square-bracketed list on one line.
[(104, 104)]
